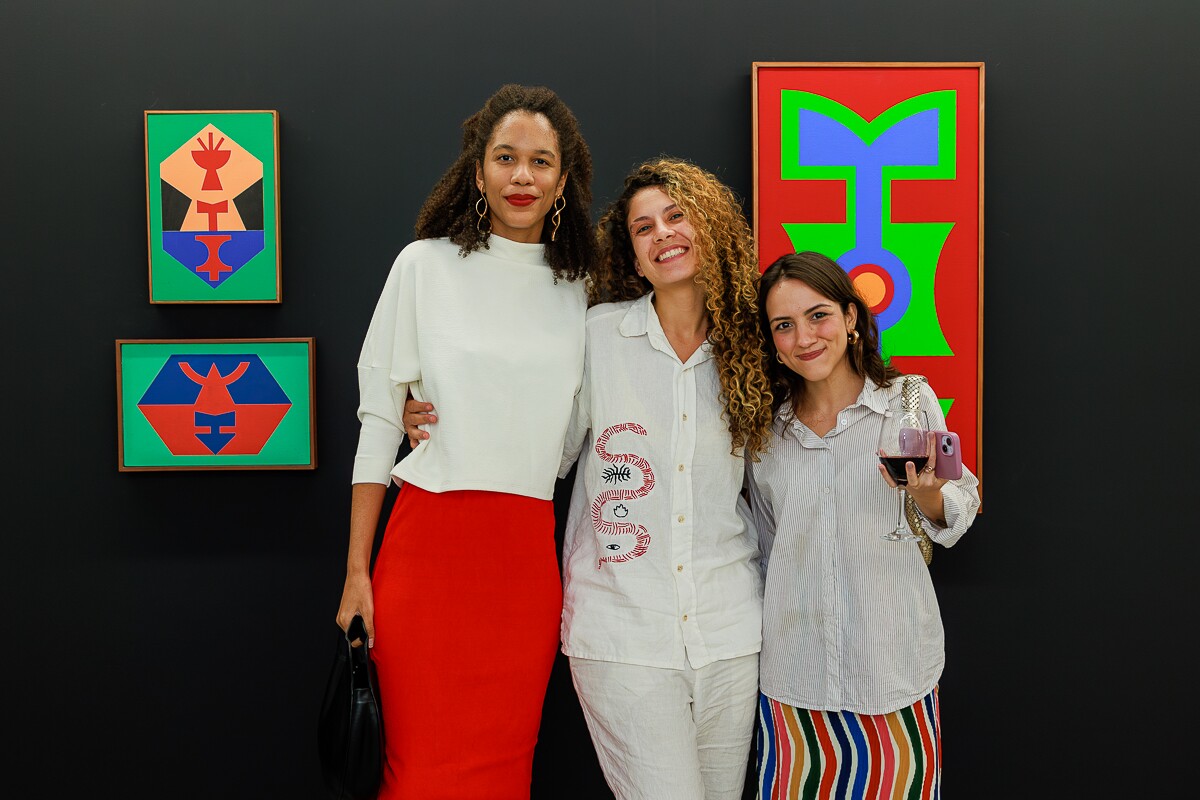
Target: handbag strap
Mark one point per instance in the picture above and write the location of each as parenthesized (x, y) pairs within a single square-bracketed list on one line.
[(357, 629), (359, 656), (910, 401)]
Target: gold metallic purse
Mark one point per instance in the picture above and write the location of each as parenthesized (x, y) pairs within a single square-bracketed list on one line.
[(910, 398)]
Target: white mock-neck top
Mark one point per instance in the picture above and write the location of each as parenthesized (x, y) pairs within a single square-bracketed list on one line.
[(495, 344)]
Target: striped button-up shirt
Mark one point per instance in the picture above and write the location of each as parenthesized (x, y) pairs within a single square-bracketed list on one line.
[(850, 620)]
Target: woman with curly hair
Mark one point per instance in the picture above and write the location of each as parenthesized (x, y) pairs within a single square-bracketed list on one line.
[(482, 316), (662, 589)]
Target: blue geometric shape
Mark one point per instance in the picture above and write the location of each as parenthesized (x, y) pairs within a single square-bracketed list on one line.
[(214, 440), (257, 386), (911, 141), (184, 247)]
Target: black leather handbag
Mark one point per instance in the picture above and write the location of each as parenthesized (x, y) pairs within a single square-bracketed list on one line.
[(350, 730)]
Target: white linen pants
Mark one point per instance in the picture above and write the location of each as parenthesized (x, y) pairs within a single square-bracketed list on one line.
[(670, 734)]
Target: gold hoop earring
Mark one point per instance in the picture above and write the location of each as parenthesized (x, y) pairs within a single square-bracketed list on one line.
[(852, 336), (557, 211), (483, 214), (779, 358)]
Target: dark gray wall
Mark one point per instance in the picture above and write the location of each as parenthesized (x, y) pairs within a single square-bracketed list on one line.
[(169, 634)]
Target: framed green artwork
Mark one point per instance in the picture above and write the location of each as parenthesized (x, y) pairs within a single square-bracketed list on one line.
[(212, 206), (208, 404)]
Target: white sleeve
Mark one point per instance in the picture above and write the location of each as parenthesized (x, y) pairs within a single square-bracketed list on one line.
[(388, 364), (579, 424)]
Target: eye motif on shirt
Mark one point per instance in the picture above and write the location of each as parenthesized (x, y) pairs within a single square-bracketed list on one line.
[(614, 474), (624, 540)]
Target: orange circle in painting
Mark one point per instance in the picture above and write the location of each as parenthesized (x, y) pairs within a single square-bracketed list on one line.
[(870, 288), (874, 285)]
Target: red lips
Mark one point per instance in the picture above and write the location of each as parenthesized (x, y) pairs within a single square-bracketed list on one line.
[(520, 200)]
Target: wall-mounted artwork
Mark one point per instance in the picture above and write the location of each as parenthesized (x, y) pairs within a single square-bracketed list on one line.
[(880, 167), (205, 404), (212, 206)]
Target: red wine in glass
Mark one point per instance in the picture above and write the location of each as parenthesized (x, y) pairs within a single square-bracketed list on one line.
[(903, 437), (895, 466)]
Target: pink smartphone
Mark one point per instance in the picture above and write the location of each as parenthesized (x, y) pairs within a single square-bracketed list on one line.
[(949, 455)]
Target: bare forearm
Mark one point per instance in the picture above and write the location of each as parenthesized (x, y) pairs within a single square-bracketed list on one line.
[(365, 505)]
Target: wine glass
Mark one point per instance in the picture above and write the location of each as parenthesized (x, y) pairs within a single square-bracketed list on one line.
[(903, 438)]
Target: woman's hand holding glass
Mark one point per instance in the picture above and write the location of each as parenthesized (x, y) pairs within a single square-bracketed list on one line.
[(908, 462)]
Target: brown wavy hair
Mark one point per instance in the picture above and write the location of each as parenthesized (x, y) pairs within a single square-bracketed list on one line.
[(449, 210), (728, 275), (825, 277)]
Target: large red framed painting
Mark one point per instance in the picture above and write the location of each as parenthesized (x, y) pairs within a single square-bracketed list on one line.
[(880, 167)]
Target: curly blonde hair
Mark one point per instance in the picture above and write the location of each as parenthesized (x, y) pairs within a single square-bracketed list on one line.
[(728, 275)]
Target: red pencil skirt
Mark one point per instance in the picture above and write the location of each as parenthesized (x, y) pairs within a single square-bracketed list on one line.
[(468, 602)]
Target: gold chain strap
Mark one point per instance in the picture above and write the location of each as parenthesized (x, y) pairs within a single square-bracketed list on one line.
[(910, 398)]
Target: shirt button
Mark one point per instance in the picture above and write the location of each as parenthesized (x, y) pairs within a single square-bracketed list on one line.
[(685, 417), (681, 467), (685, 617), (680, 518), (825, 490), (679, 568)]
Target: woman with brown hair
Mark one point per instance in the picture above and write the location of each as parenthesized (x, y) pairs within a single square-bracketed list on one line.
[(483, 317), (852, 635)]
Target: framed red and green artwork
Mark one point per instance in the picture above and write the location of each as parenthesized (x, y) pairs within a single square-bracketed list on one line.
[(879, 166), (208, 404), (212, 206)]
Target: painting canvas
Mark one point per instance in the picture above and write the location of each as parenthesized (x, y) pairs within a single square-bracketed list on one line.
[(880, 167), (215, 404), (212, 206)]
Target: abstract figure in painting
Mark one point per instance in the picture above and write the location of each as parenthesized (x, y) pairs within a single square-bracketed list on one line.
[(212, 205), (214, 404), (892, 264)]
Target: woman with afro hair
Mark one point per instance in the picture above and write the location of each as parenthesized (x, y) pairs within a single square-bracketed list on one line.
[(483, 317)]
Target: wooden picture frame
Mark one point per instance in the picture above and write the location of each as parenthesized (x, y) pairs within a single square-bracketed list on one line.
[(211, 404), (879, 166), (212, 206)]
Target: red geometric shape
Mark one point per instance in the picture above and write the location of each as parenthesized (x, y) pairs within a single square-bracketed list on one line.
[(210, 159), (176, 426), (213, 265)]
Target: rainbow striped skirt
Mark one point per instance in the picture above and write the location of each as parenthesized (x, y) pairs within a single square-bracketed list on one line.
[(816, 755)]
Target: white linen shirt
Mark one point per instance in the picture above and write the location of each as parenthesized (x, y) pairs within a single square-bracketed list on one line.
[(850, 620), (494, 343), (660, 560)]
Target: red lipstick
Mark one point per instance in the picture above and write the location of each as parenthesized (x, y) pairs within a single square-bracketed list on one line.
[(521, 200)]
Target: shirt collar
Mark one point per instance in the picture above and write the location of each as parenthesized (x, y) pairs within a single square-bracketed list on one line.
[(521, 252), (875, 397), (872, 396), (642, 320)]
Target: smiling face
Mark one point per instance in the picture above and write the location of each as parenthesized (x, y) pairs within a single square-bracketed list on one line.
[(809, 330), (521, 175), (662, 239)]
